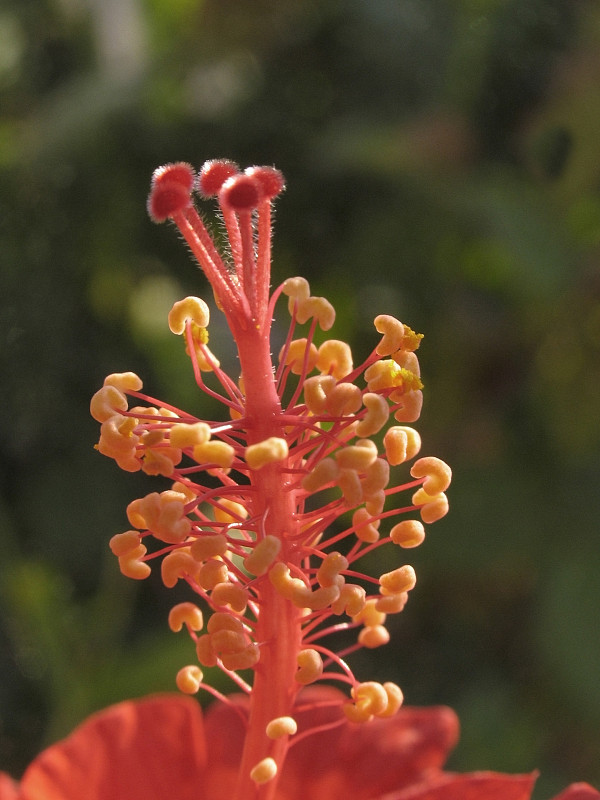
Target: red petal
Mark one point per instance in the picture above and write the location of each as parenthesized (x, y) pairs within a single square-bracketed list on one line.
[(9, 790), (365, 760), (579, 791), (148, 749), (474, 786)]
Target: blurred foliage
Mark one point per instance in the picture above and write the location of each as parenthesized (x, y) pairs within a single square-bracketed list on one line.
[(442, 165)]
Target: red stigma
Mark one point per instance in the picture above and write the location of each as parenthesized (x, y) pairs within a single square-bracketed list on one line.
[(214, 174), (241, 193)]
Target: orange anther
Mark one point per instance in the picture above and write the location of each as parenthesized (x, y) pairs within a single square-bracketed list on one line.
[(106, 402), (401, 444), (259, 560), (392, 603), (319, 308), (281, 726), (123, 543), (264, 771), (208, 546), (204, 651), (230, 594), (393, 334), (185, 614), (410, 407), (189, 679), (349, 483), (408, 533), (325, 472), (402, 579), (176, 565), (300, 356), (343, 399), (332, 565), (244, 659), (376, 478), (211, 573), (124, 381), (357, 456), (280, 577), (365, 527), (351, 600), (132, 565), (316, 390), (222, 621), (335, 358), (432, 507), (216, 453), (317, 600), (377, 414), (436, 472), (369, 615), (395, 699), (373, 636), (229, 511), (370, 698), (297, 289), (310, 666), (190, 309)]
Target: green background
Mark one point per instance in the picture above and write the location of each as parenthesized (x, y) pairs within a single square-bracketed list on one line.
[(442, 159)]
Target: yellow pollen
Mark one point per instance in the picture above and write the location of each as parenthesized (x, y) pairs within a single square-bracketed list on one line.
[(190, 309), (263, 555), (185, 614), (189, 678), (281, 726), (266, 452), (264, 771)]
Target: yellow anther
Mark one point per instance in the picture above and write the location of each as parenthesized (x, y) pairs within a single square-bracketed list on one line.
[(205, 359), (351, 600), (335, 358), (319, 308), (310, 666), (230, 511), (392, 603), (208, 546), (343, 399), (259, 560), (401, 444), (124, 381), (215, 452), (132, 565), (264, 771), (370, 699), (316, 390), (123, 543), (349, 483), (297, 289), (280, 577), (266, 452), (211, 573), (161, 462), (432, 508), (377, 414), (117, 437), (152, 438), (230, 594), (177, 565), (436, 472), (408, 533), (402, 579), (325, 472), (393, 334), (328, 573), (317, 600), (244, 659), (395, 699), (190, 309), (376, 478), (369, 615), (297, 356), (185, 614), (204, 651), (374, 636), (189, 678), (410, 408), (183, 435), (281, 726), (365, 526), (106, 402)]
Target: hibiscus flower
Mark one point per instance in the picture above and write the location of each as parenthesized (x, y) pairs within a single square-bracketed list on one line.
[(164, 747)]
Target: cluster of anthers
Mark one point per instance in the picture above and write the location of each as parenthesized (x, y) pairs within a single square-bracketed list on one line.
[(270, 509)]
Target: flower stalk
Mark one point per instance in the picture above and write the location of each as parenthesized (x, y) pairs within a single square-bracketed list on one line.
[(272, 507)]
